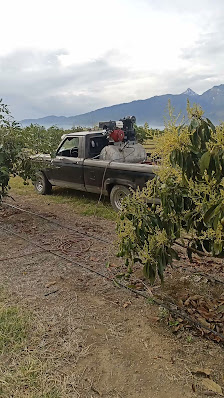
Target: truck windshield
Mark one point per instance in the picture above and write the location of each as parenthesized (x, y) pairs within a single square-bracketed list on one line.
[(69, 148)]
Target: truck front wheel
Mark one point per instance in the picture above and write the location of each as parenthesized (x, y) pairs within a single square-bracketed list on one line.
[(118, 193), (42, 185)]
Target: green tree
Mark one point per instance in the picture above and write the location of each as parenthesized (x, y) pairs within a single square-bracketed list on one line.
[(12, 157), (38, 139), (18, 144), (141, 133), (144, 133), (190, 185)]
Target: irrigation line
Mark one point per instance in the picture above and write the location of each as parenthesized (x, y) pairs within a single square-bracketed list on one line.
[(179, 312), (53, 252), (209, 277), (21, 255), (57, 223), (212, 278)]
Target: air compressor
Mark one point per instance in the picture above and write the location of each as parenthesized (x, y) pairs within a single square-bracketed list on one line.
[(122, 144)]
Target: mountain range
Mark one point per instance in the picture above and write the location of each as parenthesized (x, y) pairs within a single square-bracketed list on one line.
[(151, 110)]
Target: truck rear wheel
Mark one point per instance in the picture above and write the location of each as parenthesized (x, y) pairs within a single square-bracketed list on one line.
[(42, 185), (118, 193)]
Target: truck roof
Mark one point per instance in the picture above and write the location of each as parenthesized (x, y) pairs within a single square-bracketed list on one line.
[(83, 133)]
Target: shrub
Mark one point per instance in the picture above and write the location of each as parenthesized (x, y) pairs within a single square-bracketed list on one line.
[(190, 185)]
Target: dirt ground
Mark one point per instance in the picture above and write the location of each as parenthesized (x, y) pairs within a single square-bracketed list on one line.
[(103, 341)]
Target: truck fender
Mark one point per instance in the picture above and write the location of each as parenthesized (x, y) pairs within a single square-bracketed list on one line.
[(110, 182)]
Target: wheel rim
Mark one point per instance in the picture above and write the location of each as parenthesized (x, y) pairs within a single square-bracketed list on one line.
[(39, 185), (118, 199)]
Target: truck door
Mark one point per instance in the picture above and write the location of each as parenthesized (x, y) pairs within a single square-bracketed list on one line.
[(67, 166)]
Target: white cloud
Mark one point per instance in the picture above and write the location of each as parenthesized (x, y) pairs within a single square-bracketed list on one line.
[(44, 85), (74, 56)]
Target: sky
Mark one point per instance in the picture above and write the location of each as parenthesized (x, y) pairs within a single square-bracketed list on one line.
[(73, 56)]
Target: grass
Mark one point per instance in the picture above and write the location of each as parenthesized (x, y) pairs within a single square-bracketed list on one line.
[(85, 204), (17, 186), (23, 372), (12, 329)]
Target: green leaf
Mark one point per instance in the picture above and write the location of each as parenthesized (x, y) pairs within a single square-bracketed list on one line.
[(211, 125), (173, 253), (194, 124), (207, 245), (2, 158), (161, 265), (149, 272), (216, 220), (204, 161), (211, 212)]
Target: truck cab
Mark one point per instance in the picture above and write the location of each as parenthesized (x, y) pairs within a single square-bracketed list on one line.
[(66, 168), (83, 145)]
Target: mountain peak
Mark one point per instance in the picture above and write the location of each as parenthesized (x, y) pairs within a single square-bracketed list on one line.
[(189, 92), (219, 88)]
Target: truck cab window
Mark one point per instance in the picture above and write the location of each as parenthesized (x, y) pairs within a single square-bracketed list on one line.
[(96, 145), (69, 148)]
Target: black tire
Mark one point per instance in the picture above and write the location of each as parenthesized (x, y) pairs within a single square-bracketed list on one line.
[(42, 185), (118, 193)]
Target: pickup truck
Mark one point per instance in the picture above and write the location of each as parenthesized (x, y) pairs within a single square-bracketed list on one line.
[(77, 164)]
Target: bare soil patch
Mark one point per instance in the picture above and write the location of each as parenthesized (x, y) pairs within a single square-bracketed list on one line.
[(97, 339)]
